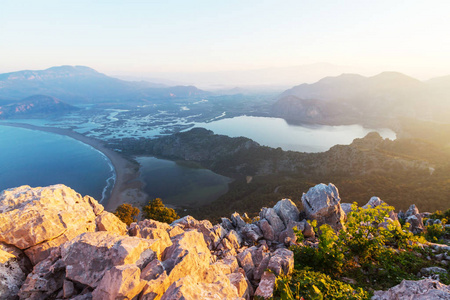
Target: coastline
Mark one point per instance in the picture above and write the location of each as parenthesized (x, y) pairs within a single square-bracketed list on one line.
[(127, 186)]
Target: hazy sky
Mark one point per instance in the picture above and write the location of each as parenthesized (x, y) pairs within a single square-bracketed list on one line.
[(189, 36)]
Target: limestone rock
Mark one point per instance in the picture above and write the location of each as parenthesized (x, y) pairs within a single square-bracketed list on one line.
[(266, 286), (107, 221), (375, 201), (425, 289), (267, 229), (155, 288), (346, 207), (251, 233), (263, 265), (227, 265), (241, 284), (234, 238), (152, 270), (44, 218), (226, 223), (237, 220), (90, 255), (412, 211), (282, 261), (321, 203), (120, 282), (274, 220), (433, 271), (307, 231), (246, 262), (188, 255), (286, 210), (14, 268), (415, 223), (151, 230), (46, 279), (68, 289), (189, 288)]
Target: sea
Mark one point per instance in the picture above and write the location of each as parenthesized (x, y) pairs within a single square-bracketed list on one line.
[(37, 158)]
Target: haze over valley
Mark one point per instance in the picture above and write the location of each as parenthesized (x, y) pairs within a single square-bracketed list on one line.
[(131, 130)]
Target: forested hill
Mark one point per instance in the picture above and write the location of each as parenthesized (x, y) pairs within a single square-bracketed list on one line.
[(398, 170)]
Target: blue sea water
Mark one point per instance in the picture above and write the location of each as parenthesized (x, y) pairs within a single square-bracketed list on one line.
[(37, 158)]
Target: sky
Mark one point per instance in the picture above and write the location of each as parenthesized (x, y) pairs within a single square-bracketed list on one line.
[(150, 37)]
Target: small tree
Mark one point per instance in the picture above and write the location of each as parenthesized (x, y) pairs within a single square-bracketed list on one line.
[(127, 213), (157, 211)]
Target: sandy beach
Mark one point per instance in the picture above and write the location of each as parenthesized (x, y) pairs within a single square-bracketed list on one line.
[(127, 187)]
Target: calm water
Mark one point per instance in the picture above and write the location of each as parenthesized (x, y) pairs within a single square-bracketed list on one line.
[(36, 158), (276, 132), (180, 185)]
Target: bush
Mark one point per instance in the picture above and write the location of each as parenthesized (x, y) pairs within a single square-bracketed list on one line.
[(156, 210), (127, 213), (314, 286), (373, 250)]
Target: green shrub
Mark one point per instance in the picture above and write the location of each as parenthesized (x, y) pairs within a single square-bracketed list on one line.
[(314, 286), (156, 210), (127, 213)]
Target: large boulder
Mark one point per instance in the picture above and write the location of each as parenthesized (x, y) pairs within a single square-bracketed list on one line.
[(190, 288), (153, 230), (272, 217), (322, 203), (107, 221), (40, 219), (189, 255), (266, 286), (282, 261), (286, 210), (90, 255), (120, 282), (425, 289)]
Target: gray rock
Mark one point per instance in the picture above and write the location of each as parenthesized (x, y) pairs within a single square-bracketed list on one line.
[(432, 270), (346, 207), (246, 262), (268, 232), (415, 223), (14, 267), (266, 286), (226, 223), (426, 289), (274, 220), (375, 201), (282, 261), (286, 210), (308, 231), (251, 233), (321, 203), (237, 221), (412, 210)]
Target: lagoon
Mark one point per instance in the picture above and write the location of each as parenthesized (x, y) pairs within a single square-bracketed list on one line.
[(276, 132), (178, 185)]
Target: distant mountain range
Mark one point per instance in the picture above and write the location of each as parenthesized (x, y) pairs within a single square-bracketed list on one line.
[(37, 105), (351, 98), (78, 84)]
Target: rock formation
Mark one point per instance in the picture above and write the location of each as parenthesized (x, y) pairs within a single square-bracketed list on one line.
[(322, 203), (56, 244)]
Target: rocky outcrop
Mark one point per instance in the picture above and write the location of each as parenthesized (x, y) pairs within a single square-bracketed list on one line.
[(90, 255), (188, 259), (322, 203), (418, 290), (107, 221), (38, 220)]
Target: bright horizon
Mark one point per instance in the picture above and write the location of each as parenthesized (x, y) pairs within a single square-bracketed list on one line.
[(145, 39)]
